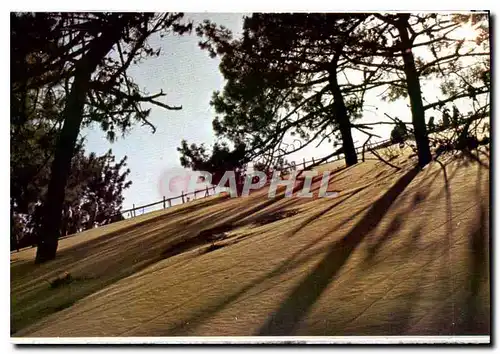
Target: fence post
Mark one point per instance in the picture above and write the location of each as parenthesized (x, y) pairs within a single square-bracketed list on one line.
[(293, 166)]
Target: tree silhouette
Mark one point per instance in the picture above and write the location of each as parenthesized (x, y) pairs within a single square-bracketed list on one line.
[(399, 133), (400, 36), (283, 78), (86, 56), (91, 178), (221, 159)]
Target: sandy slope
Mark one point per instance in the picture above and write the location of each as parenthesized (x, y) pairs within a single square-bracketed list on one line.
[(396, 252)]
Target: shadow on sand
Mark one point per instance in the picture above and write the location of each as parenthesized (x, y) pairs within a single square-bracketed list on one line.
[(293, 309)]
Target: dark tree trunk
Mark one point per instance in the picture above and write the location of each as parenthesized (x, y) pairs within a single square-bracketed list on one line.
[(415, 94), (73, 116), (341, 116), (73, 113)]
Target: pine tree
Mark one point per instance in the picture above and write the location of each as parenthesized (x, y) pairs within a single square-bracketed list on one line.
[(75, 58)]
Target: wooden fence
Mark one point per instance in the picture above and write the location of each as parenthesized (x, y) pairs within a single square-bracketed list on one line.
[(370, 146), (167, 202)]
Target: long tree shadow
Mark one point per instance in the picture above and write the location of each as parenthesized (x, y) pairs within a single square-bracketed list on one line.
[(396, 224), (316, 216), (399, 310), (296, 306), (107, 243), (423, 192), (292, 262), (473, 158), (295, 200), (166, 245), (324, 211), (468, 310), (392, 229), (90, 246), (107, 263), (476, 319), (263, 204)]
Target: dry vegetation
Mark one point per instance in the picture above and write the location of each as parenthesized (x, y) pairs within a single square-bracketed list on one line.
[(395, 252)]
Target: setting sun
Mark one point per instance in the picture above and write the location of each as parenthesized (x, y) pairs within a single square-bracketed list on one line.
[(467, 31)]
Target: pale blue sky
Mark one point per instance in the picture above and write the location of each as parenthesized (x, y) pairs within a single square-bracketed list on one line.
[(189, 76)]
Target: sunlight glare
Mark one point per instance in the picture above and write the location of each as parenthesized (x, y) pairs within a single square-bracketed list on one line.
[(467, 32)]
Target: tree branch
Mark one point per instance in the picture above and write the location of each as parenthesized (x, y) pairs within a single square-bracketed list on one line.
[(453, 98)]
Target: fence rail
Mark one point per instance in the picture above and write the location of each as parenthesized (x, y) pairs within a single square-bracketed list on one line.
[(370, 146), (168, 201), (305, 164)]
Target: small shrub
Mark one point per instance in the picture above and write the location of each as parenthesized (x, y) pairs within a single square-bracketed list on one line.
[(431, 126), (213, 247), (269, 218), (399, 134), (62, 280)]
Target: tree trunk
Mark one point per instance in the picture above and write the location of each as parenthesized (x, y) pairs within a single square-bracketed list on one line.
[(61, 166), (415, 94), (73, 116), (341, 116)]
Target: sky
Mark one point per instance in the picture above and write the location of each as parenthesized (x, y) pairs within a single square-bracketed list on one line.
[(189, 76)]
